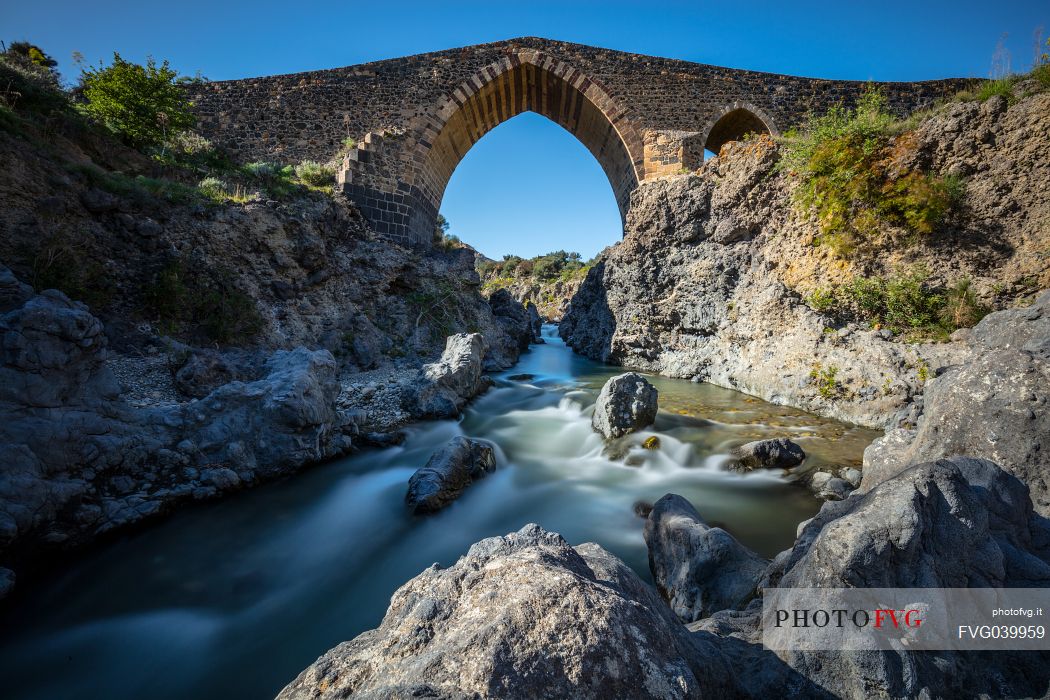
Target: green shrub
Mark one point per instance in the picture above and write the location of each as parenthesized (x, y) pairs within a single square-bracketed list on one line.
[(962, 309), (900, 303), (141, 103), (191, 151), (825, 380), (213, 188), (821, 299), (1003, 87), (557, 265), (904, 303), (314, 174), (847, 161), (275, 179), (138, 188), (29, 81)]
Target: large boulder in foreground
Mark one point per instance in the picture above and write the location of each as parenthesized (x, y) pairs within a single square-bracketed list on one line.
[(953, 523), (626, 403), (448, 471), (778, 453), (995, 406), (442, 388), (520, 616), (698, 569)]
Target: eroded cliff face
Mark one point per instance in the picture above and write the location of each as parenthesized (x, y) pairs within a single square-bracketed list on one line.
[(710, 279), (304, 270)]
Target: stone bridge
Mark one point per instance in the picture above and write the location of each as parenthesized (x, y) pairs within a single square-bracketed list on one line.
[(413, 119)]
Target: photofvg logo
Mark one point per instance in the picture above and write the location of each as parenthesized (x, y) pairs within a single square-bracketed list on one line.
[(813, 619)]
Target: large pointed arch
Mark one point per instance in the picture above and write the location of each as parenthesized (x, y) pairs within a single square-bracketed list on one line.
[(526, 81)]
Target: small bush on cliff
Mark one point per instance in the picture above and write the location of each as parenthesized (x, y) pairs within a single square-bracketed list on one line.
[(29, 80), (144, 104), (314, 174), (136, 188), (853, 173), (905, 303)]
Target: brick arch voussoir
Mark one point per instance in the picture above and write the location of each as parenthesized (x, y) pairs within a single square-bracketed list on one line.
[(428, 126)]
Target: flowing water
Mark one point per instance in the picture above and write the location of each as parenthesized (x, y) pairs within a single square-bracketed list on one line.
[(234, 598)]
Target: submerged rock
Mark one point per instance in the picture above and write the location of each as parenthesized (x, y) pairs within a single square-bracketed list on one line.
[(626, 403), (448, 471), (698, 569), (829, 487), (442, 388), (779, 453), (520, 616)]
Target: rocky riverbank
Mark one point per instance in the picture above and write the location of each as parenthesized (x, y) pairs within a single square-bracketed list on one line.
[(942, 515), (222, 344), (81, 460), (715, 276)]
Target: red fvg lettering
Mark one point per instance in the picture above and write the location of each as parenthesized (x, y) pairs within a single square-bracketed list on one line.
[(910, 618)]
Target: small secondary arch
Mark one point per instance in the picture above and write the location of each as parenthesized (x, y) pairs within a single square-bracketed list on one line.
[(734, 122)]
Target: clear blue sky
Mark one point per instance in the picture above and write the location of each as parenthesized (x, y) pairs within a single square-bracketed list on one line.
[(528, 187)]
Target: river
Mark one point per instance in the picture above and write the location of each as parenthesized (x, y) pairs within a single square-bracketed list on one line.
[(232, 599)]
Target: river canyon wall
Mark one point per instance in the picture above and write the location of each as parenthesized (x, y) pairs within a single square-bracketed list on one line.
[(714, 276)]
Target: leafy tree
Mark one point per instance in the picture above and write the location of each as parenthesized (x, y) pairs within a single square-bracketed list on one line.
[(144, 104), (441, 227)]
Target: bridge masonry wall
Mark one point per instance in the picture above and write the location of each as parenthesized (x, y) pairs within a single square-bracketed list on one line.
[(673, 104)]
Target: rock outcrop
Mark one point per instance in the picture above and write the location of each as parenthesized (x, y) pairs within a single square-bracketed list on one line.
[(951, 523), (535, 321), (442, 388), (625, 404), (520, 616), (550, 297), (710, 280), (80, 462), (517, 330), (698, 569), (778, 453), (992, 405), (448, 472)]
